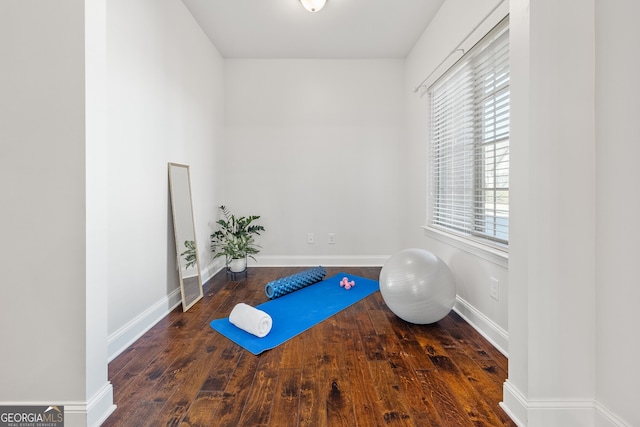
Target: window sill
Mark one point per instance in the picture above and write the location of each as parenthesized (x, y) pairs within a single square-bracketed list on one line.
[(489, 253)]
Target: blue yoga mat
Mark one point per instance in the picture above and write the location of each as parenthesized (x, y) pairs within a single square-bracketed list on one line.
[(298, 311)]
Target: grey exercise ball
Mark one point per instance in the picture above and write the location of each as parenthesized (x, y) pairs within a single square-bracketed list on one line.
[(417, 286)]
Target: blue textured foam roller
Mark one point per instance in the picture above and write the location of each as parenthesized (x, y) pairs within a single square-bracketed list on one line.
[(292, 283)]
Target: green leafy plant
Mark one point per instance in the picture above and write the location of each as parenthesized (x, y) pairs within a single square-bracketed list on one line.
[(190, 254), (234, 238)]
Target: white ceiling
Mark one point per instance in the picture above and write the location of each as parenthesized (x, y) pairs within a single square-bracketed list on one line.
[(285, 29)]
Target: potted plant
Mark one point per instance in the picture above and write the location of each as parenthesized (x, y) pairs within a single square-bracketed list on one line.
[(234, 239)]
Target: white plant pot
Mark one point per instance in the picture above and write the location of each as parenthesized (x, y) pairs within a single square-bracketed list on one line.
[(238, 265)]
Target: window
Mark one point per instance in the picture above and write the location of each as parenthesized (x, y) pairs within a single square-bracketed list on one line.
[(470, 143)]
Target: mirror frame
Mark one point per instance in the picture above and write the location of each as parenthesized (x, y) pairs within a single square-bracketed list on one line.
[(189, 298)]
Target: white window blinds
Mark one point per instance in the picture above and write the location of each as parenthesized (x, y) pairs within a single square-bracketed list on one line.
[(470, 143)]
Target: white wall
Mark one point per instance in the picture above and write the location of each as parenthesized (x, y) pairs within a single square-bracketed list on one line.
[(165, 86), (80, 187), (42, 134), (473, 271), (571, 307), (553, 367), (357, 128), (617, 207), (313, 146), (99, 391), (46, 329), (569, 315)]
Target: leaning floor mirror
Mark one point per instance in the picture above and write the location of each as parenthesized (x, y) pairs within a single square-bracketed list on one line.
[(185, 235)]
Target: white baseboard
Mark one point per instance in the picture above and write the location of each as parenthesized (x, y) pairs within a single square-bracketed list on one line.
[(514, 404), (121, 339), (211, 270), (82, 414), (300, 261), (556, 412), (497, 336), (100, 406), (94, 412), (323, 260), (606, 418)]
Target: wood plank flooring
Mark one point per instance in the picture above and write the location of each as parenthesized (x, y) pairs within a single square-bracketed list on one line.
[(362, 367)]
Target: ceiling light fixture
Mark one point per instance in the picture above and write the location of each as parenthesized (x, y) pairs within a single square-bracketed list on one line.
[(313, 5)]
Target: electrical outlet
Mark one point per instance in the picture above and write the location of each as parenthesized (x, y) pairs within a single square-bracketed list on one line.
[(310, 238), (332, 238), (494, 289)]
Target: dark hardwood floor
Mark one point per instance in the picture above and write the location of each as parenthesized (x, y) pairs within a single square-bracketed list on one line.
[(362, 367)]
